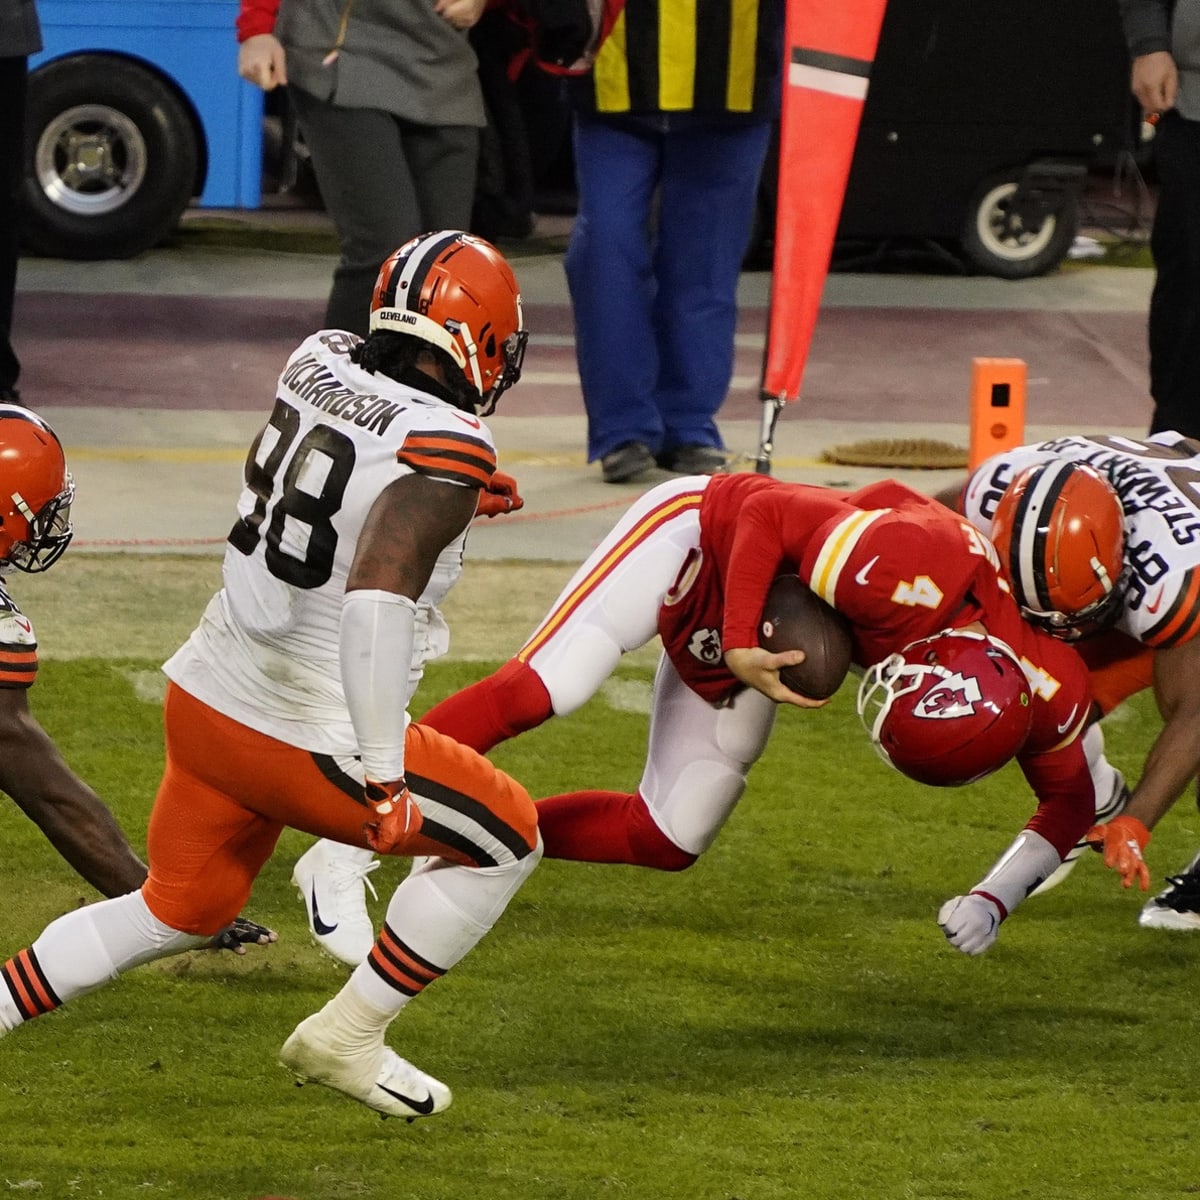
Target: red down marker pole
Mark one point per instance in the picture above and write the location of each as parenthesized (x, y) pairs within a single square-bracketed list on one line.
[(829, 52)]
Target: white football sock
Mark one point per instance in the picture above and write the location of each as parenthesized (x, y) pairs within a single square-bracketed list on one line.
[(86, 948), (441, 911)]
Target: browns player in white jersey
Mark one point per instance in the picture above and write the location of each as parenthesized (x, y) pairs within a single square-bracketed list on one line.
[(692, 561), (1100, 537), (287, 705)]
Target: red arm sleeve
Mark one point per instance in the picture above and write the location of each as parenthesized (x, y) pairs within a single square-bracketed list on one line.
[(1066, 795), (1054, 762), (773, 528), (255, 17)]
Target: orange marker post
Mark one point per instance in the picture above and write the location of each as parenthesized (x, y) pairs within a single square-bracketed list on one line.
[(997, 407)]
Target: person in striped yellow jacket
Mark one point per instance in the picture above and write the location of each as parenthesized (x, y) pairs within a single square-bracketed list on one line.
[(671, 130)]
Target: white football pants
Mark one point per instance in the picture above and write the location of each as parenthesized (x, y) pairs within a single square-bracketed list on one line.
[(699, 755)]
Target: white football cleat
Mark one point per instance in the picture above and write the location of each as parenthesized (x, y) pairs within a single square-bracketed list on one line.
[(369, 1072), (1112, 805), (332, 878)]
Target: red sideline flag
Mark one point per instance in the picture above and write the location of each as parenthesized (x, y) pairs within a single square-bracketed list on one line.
[(829, 50)]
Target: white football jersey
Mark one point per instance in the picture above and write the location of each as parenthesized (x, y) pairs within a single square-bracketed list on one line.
[(266, 650), (1158, 482), (18, 644)]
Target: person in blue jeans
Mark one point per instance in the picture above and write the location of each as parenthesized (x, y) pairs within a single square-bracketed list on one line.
[(671, 130)]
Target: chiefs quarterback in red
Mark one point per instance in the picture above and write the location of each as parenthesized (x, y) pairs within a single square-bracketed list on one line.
[(692, 561)]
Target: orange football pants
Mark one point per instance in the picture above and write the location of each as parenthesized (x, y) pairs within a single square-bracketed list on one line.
[(228, 792)]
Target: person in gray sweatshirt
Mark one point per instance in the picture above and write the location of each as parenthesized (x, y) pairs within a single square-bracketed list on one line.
[(388, 99), (1164, 42)]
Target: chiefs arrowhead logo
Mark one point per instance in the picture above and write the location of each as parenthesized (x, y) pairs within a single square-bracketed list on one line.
[(705, 644), (950, 698)]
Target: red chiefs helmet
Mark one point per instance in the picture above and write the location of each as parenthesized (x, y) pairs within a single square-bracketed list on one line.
[(456, 292), (35, 492), (948, 709), (1060, 533)]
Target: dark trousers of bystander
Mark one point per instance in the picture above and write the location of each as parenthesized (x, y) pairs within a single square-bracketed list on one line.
[(1175, 302), (666, 205), (13, 87), (383, 181)]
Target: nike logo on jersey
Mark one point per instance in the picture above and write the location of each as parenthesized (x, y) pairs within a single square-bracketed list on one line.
[(319, 926), (1156, 604), (472, 421), (861, 577), (1070, 719), (424, 1107), (23, 623)]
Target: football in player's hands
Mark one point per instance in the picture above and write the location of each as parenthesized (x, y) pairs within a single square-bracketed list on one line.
[(795, 619)]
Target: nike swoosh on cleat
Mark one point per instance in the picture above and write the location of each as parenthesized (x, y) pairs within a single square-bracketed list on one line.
[(424, 1107), (318, 924)]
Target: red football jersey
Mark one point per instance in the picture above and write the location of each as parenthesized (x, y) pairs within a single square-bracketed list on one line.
[(899, 566)]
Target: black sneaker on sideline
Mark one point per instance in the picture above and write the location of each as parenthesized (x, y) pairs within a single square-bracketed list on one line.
[(694, 460), (626, 462), (1178, 906)]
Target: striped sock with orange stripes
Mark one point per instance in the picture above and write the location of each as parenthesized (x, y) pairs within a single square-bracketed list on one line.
[(378, 989), (26, 993), (401, 967)]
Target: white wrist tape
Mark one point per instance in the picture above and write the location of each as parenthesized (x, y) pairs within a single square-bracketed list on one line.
[(376, 648), (1024, 865)]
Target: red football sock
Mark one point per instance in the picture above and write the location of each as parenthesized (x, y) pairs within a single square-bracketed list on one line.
[(499, 707), (608, 827)]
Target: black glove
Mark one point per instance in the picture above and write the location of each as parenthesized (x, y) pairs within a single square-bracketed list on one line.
[(241, 933)]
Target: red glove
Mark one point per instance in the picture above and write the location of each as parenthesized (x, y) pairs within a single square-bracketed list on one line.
[(500, 496), (397, 818), (1122, 841)]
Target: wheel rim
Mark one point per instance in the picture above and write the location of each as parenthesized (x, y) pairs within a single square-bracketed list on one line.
[(1001, 231), (90, 159)]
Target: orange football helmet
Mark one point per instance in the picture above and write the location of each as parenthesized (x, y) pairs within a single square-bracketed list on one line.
[(1060, 532), (36, 491), (456, 292)]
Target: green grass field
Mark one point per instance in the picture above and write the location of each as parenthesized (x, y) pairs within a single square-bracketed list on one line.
[(783, 1020)]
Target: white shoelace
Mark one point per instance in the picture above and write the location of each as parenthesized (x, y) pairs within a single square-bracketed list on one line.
[(344, 875)]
